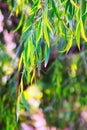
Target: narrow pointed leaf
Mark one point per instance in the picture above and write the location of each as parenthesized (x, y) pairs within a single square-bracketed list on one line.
[(46, 55), (82, 31), (46, 36), (20, 23), (78, 30), (20, 62)]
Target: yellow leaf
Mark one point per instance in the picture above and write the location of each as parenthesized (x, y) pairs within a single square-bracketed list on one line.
[(74, 4), (20, 62), (21, 85), (73, 69), (82, 30), (33, 75)]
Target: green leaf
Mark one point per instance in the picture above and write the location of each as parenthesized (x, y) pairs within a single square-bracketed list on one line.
[(58, 87), (26, 52), (32, 50), (39, 32), (64, 2), (35, 7), (21, 84), (74, 4), (20, 23), (47, 54), (78, 15), (84, 16), (48, 24), (28, 23), (83, 9), (39, 58), (69, 45), (58, 79), (26, 34), (78, 30), (18, 108), (67, 5), (25, 102), (55, 9), (83, 6)]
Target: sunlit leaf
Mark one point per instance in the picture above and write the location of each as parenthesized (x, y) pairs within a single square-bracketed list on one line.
[(20, 62), (21, 85), (33, 76), (73, 3), (82, 31), (73, 69)]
